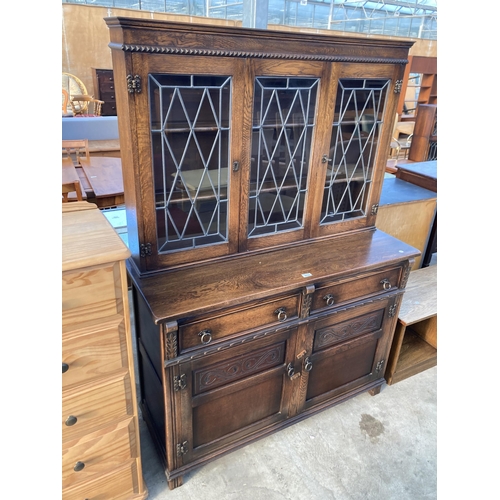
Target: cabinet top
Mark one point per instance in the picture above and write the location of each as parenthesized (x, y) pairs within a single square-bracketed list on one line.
[(88, 239), (178, 293), (167, 37)]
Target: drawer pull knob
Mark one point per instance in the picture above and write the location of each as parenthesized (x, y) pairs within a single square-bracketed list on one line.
[(206, 336), (78, 466), (65, 367), (386, 285), (281, 312), (71, 420), (308, 366), (329, 299)]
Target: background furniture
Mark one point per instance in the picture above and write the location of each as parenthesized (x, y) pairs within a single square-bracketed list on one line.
[(100, 432), (263, 292), (407, 212), (86, 105), (76, 150), (424, 141), (104, 175), (414, 347), (70, 187), (104, 88)]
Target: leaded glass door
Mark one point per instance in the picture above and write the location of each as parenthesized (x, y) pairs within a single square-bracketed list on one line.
[(283, 127), (363, 104), (191, 122)]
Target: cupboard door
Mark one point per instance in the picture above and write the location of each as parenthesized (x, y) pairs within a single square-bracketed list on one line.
[(349, 350), (286, 98), (360, 132), (232, 395), (192, 112)]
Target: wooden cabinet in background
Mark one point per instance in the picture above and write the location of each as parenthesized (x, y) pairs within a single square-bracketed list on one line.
[(263, 292), (104, 89), (101, 455)]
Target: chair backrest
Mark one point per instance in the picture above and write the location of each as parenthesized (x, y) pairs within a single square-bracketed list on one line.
[(75, 149), (70, 187), (65, 102), (86, 105)]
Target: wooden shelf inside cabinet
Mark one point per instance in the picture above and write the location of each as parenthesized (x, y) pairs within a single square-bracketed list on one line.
[(414, 347)]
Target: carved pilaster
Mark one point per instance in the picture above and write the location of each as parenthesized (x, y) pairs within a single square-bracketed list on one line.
[(170, 335), (406, 273), (307, 294)]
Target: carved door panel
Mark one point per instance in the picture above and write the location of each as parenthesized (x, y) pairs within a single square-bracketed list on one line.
[(232, 395), (349, 350)]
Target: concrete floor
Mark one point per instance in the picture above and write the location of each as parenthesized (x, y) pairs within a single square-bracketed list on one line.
[(380, 447)]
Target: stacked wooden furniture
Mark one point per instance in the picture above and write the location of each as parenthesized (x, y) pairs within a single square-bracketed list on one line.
[(104, 89), (407, 212), (414, 348), (263, 292), (100, 433)]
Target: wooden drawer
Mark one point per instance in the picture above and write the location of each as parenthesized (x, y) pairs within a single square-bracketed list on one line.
[(94, 405), (106, 84), (108, 97), (212, 328), (98, 453), (120, 484), (91, 293), (94, 351), (339, 292), (108, 109)]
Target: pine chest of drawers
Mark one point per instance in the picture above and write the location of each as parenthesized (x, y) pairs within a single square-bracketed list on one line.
[(100, 433)]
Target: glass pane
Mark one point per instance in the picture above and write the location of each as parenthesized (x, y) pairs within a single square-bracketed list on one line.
[(359, 111), (283, 123), (190, 137)]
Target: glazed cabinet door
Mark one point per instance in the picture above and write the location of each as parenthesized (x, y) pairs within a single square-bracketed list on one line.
[(353, 159), (230, 397), (348, 350), (188, 117)]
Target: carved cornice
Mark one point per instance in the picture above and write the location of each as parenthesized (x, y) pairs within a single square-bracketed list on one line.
[(156, 49)]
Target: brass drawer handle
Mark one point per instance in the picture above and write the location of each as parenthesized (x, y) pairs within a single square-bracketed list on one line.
[(281, 312), (78, 466), (386, 285), (206, 336), (71, 420), (329, 299), (308, 366)]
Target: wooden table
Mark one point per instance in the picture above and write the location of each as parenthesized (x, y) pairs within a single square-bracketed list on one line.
[(70, 174), (414, 347), (102, 180)]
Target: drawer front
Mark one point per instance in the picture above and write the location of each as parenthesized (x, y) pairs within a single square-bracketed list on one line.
[(108, 109), (106, 84), (90, 294), (211, 329), (94, 351), (86, 407), (334, 294), (108, 97), (120, 484), (89, 456)]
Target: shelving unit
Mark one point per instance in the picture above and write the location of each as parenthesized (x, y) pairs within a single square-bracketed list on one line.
[(414, 347)]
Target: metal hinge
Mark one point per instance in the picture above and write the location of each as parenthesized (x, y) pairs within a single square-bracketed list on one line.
[(134, 84), (179, 382), (146, 249), (398, 84), (374, 209), (379, 366), (392, 310), (182, 448)]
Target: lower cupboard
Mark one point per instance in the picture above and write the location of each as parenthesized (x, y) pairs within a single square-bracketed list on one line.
[(210, 399)]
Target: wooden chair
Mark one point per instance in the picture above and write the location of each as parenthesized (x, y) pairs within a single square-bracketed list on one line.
[(65, 103), (71, 187), (86, 105), (401, 146), (75, 149)]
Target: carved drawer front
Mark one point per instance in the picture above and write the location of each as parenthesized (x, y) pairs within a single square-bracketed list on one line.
[(90, 294), (334, 294), (120, 484), (93, 351), (97, 404), (89, 456), (213, 328)]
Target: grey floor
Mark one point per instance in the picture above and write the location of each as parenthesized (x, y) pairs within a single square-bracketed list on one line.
[(380, 447)]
